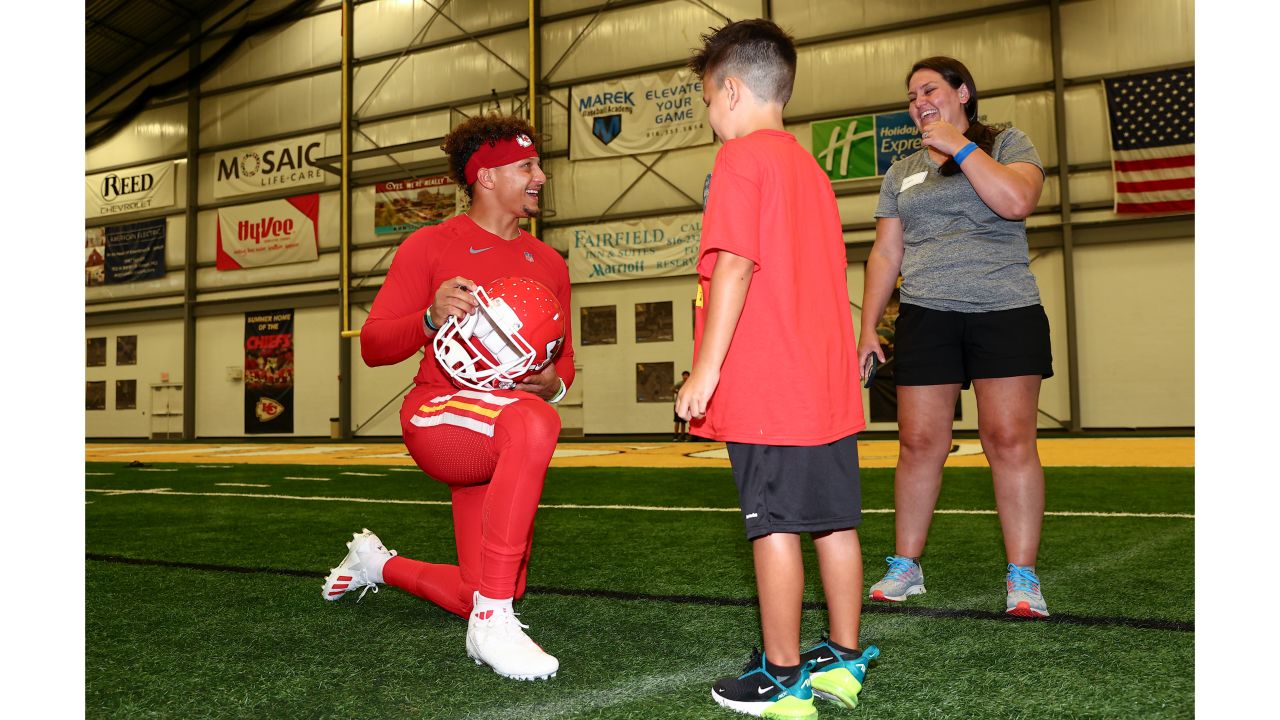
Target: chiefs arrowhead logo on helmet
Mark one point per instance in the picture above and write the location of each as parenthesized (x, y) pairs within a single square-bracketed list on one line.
[(516, 331)]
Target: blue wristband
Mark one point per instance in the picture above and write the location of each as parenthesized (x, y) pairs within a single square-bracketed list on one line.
[(964, 152), (426, 318)]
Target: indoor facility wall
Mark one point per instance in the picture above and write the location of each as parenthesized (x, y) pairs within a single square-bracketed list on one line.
[(157, 352)]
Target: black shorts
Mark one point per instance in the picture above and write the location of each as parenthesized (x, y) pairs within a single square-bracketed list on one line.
[(939, 347), (795, 489)]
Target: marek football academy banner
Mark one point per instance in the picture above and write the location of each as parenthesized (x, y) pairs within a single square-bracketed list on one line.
[(268, 372), (866, 146), (274, 232), (135, 251), (147, 187), (406, 205), (270, 166), (634, 249), (640, 114)]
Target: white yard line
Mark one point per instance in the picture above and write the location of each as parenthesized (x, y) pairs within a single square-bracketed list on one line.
[(360, 474), (240, 485), (291, 477), (569, 506)]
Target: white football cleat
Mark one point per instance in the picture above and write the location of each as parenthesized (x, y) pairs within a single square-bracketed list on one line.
[(495, 638), (365, 558)]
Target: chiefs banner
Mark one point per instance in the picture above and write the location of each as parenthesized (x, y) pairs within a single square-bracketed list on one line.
[(640, 114), (268, 372), (274, 232)]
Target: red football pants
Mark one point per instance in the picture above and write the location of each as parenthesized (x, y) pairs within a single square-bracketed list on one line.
[(496, 483)]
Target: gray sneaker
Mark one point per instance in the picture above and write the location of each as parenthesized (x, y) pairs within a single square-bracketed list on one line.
[(1024, 599), (905, 578)]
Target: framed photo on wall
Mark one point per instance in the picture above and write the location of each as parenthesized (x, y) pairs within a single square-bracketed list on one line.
[(126, 349), (599, 325), (95, 352), (654, 382), (654, 322), (126, 394), (95, 395)]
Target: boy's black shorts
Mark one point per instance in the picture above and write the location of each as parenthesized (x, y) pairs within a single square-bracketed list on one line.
[(795, 489), (940, 347)]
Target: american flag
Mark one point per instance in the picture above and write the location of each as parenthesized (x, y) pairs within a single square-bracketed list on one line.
[(1153, 141)]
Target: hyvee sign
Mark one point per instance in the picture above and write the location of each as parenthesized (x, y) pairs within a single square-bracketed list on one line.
[(275, 166), (274, 232)]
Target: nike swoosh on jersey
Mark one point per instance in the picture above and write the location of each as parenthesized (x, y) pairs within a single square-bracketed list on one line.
[(475, 251)]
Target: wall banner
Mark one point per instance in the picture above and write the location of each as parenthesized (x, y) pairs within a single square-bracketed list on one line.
[(271, 166), (268, 372), (634, 249), (641, 114), (275, 232), (866, 146), (95, 260), (405, 205), (135, 251), (147, 187)]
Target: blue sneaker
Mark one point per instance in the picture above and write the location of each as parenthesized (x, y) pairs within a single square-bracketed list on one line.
[(1024, 599), (904, 578), (759, 693), (838, 676)]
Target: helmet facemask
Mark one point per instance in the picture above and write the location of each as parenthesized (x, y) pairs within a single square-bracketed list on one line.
[(485, 350)]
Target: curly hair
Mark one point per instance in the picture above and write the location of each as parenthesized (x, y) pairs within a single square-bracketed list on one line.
[(463, 141)]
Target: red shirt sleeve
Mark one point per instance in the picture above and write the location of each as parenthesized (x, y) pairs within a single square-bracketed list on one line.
[(732, 218), (564, 363), (394, 330)]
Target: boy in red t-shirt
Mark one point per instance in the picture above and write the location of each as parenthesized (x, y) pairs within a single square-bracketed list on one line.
[(775, 371)]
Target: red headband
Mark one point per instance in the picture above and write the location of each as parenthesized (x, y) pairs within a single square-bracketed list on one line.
[(496, 154)]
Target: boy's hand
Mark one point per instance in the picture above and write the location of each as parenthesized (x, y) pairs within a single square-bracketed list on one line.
[(870, 343), (696, 394)]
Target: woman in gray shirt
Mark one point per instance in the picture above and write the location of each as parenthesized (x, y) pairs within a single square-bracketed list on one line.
[(951, 221)]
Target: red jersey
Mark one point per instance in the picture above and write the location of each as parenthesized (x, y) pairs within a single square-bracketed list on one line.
[(791, 373), (394, 329)]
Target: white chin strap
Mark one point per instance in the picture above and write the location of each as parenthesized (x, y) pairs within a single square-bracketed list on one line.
[(495, 328)]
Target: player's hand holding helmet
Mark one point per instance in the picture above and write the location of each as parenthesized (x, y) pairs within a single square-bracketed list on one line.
[(516, 331)]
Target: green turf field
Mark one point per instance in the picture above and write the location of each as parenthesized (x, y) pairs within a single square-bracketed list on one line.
[(207, 604)]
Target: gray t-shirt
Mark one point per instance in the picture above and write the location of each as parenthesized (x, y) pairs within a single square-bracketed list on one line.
[(959, 254)]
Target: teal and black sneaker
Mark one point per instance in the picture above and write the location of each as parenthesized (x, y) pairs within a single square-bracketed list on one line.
[(837, 674), (761, 693), (904, 579), (1024, 598)]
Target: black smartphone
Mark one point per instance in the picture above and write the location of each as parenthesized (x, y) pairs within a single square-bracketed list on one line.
[(869, 369)]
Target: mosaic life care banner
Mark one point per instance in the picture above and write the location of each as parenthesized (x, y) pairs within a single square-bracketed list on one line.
[(275, 232), (866, 146), (634, 249), (640, 114), (146, 187), (268, 372), (269, 166), (402, 206)]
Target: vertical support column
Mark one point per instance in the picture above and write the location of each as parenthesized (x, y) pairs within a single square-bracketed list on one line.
[(344, 219), (1064, 185), (535, 108), (190, 255)]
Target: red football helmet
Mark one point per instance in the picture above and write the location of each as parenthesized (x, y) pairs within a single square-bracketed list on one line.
[(516, 331)]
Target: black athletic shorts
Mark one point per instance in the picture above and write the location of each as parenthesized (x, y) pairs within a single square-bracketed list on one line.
[(939, 347), (795, 489)]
